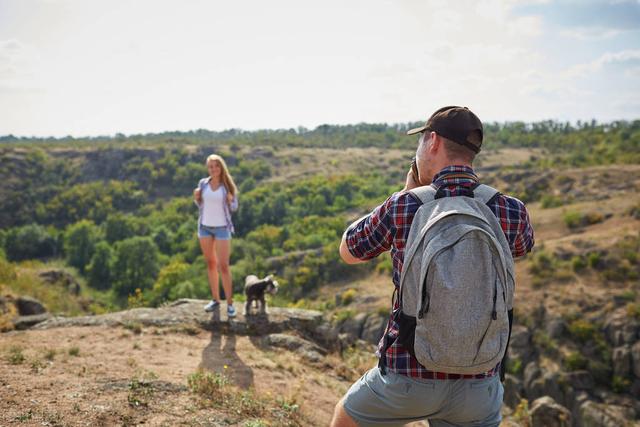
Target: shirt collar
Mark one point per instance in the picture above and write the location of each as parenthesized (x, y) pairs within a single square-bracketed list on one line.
[(457, 173)]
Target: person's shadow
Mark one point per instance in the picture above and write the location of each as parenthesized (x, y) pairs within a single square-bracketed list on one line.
[(220, 356)]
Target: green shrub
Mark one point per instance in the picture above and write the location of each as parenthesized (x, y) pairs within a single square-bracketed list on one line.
[(514, 366), (15, 357), (573, 219), (343, 315), (347, 296), (575, 361), (594, 260), (29, 242), (620, 384), (578, 263), (633, 310), (210, 387), (582, 330), (550, 201)]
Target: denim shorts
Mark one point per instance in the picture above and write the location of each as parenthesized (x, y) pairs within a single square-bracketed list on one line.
[(395, 400), (219, 233)]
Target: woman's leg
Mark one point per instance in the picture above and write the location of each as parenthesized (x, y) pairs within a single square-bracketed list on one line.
[(223, 251), (207, 244)]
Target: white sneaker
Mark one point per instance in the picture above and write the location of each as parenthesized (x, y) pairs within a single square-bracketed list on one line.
[(211, 306), (231, 311)]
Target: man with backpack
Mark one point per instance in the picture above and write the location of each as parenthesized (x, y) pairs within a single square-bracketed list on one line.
[(452, 243)]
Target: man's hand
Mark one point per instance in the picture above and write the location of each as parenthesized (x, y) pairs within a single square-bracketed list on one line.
[(410, 182)]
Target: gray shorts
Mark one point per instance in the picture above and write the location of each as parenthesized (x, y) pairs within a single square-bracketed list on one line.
[(395, 400)]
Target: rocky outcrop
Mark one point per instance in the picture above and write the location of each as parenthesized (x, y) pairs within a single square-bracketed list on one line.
[(621, 359), (545, 412), (28, 306), (520, 345), (306, 349), (63, 278), (190, 311), (513, 391), (620, 329), (635, 357), (594, 414)]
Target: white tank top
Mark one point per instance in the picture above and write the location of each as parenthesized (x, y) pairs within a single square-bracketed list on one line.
[(213, 212)]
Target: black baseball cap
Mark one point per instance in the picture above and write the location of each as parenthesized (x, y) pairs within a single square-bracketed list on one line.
[(458, 124)]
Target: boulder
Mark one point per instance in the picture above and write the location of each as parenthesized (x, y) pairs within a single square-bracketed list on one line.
[(25, 322), (373, 328), (513, 391), (27, 306), (635, 358), (594, 414), (579, 380), (62, 277), (353, 325), (545, 412), (620, 329), (621, 360), (547, 385), (520, 345), (531, 373), (305, 348), (556, 328)]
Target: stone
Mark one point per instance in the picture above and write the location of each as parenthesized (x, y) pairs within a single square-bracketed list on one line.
[(547, 385), (520, 345), (353, 325), (373, 328), (556, 328), (27, 306), (545, 412), (579, 380), (621, 361), (513, 391), (594, 414), (62, 277), (26, 322), (620, 329), (635, 357), (291, 342), (531, 372)]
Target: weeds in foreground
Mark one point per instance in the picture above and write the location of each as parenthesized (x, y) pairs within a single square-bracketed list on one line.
[(521, 413), (141, 389), (15, 357), (216, 390)]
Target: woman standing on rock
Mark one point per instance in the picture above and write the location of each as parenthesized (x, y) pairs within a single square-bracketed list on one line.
[(216, 197)]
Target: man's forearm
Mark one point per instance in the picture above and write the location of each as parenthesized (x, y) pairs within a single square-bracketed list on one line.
[(345, 254)]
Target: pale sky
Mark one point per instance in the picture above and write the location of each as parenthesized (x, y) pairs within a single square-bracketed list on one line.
[(90, 67)]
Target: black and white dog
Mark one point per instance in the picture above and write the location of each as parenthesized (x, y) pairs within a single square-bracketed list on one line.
[(255, 288)]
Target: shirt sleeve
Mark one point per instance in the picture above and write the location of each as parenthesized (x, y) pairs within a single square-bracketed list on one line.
[(234, 203), (524, 240), (373, 234), (200, 187)]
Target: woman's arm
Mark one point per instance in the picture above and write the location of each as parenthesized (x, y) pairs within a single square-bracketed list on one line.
[(232, 200)]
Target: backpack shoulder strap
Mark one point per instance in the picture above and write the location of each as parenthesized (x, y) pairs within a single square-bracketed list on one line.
[(485, 193), (425, 194)]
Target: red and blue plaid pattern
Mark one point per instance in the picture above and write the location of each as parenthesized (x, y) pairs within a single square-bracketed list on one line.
[(386, 229)]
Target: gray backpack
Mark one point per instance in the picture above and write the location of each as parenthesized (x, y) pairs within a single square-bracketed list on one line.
[(457, 284)]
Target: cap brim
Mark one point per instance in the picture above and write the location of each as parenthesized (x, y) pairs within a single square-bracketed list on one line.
[(417, 130)]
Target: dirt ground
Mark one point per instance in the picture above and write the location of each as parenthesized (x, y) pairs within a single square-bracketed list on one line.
[(84, 376)]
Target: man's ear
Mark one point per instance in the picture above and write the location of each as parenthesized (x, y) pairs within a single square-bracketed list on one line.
[(436, 143)]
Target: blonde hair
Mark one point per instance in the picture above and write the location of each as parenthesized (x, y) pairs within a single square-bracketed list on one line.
[(227, 180)]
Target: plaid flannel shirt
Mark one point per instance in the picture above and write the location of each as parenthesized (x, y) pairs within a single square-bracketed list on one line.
[(387, 227)]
